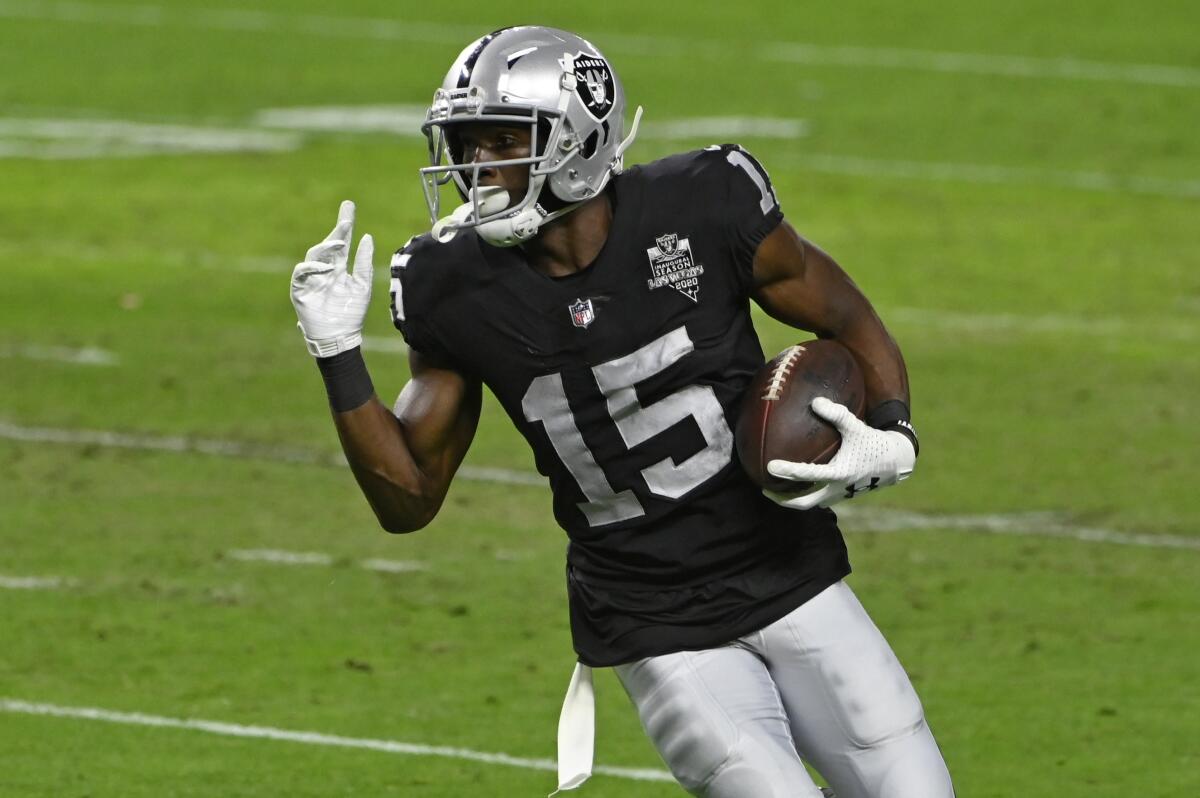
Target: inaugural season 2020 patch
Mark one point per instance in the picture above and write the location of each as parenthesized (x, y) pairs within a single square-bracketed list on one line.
[(672, 264)]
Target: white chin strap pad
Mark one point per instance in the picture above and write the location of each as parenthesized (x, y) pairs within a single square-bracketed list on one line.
[(520, 226), (508, 231), (492, 199), (511, 230)]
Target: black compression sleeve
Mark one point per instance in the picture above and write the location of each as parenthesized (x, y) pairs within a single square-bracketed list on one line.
[(346, 380), (894, 415)]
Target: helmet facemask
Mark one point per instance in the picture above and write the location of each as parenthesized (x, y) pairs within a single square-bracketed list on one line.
[(450, 109)]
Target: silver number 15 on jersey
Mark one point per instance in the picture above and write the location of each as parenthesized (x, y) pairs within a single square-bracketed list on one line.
[(546, 401)]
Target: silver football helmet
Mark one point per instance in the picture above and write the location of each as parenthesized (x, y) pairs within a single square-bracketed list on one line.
[(559, 85)]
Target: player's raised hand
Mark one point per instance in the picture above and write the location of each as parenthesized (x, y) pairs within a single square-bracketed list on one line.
[(867, 459), (331, 301)]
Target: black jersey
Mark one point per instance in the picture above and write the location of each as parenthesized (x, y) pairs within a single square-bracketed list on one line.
[(626, 378)]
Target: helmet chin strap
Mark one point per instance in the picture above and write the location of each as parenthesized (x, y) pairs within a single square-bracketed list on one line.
[(508, 231), (482, 201), (520, 227), (624, 145)]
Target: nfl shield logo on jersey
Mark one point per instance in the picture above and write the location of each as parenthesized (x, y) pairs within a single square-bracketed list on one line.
[(594, 84), (581, 312)]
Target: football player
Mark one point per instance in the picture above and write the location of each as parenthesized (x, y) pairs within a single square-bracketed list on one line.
[(608, 310)]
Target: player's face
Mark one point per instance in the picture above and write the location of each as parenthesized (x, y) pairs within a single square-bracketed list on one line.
[(483, 143)]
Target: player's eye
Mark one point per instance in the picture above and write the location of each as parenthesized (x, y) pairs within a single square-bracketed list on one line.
[(467, 149)]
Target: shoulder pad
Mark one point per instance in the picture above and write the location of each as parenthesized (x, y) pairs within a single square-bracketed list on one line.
[(425, 273)]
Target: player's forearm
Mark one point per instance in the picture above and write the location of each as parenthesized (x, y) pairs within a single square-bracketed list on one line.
[(403, 497), (801, 285), (844, 314), (884, 373)]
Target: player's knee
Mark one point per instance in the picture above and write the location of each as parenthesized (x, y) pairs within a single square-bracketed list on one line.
[(738, 777), (757, 768), (874, 700), (694, 747), (693, 752), (708, 757), (915, 769)]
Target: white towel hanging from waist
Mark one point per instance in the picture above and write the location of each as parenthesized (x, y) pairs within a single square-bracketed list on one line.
[(577, 731)]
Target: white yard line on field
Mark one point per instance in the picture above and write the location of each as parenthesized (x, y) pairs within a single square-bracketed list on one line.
[(75, 138), (54, 139), (1051, 324), (392, 566), (858, 519), (726, 128), (988, 174), (166, 443), (1013, 66), (76, 251), (34, 582), (311, 738), (281, 557), (238, 20), (392, 29), (85, 356), (399, 120), (406, 120), (227, 448)]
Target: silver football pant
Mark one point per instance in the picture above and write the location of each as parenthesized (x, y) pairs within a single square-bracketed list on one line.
[(819, 685)]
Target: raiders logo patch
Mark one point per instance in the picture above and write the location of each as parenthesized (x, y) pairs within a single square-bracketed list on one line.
[(594, 84)]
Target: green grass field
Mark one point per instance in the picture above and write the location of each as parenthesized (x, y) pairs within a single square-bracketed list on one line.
[(1017, 189)]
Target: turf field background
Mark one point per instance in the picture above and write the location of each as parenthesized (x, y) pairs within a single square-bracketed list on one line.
[(1016, 186)]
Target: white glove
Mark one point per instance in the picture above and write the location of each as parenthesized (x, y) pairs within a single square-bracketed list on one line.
[(868, 459), (331, 301)]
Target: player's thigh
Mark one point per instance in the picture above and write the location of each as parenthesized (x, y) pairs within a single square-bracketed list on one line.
[(853, 711), (717, 721)]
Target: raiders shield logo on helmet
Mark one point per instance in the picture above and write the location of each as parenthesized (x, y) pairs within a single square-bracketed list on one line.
[(594, 84)]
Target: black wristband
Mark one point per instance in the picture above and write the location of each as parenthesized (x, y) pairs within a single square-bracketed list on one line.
[(893, 416), (346, 380)]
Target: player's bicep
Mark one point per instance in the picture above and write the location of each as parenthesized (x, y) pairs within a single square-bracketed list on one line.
[(797, 283), (439, 411)]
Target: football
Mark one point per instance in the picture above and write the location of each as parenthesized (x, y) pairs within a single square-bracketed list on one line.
[(776, 421)]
